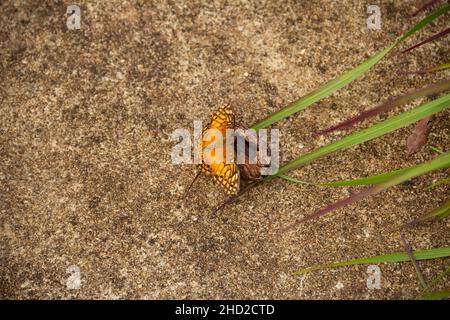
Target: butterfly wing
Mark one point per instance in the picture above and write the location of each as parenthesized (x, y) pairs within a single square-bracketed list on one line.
[(225, 174)]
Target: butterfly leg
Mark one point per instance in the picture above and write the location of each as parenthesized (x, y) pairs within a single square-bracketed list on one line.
[(227, 201), (189, 188)]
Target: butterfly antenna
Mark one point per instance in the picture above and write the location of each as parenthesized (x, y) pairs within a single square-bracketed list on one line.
[(189, 188)]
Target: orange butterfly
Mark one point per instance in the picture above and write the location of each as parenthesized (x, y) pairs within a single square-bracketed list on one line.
[(215, 163)]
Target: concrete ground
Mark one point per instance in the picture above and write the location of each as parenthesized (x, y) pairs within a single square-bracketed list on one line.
[(85, 169)]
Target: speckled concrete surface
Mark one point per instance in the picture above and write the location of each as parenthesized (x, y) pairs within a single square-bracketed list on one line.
[(85, 170)]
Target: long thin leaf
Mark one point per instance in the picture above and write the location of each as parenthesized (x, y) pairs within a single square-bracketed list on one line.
[(443, 215), (430, 39), (375, 179), (427, 5), (386, 258), (389, 105), (440, 67), (442, 161), (348, 77), (377, 130), (411, 256), (437, 295), (438, 183), (439, 213)]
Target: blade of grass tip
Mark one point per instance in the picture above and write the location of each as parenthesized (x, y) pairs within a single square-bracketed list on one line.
[(410, 253), (376, 179), (430, 39), (435, 213), (436, 280), (372, 132), (426, 5), (440, 67), (389, 105), (437, 295), (323, 91), (436, 149), (443, 215), (442, 161), (287, 178), (438, 183), (348, 77), (435, 253)]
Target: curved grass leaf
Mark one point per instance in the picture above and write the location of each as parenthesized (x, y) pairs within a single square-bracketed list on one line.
[(436, 149), (348, 77), (376, 179), (373, 132), (389, 105), (442, 161), (438, 183), (427, 5), (439, 213), (370, 180), (430, 39), (386, 258), (440, 67), (437, 295), (287, 178)]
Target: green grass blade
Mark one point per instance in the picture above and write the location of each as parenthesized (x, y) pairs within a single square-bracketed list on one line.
[(437, 295), (441, 67), (373, 132), (348, 77), (432, 16), (376, 179), (442, 161), (436, 149), (388, 105), (323, 91), (386, 258), (443, 215), (438, 213)]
